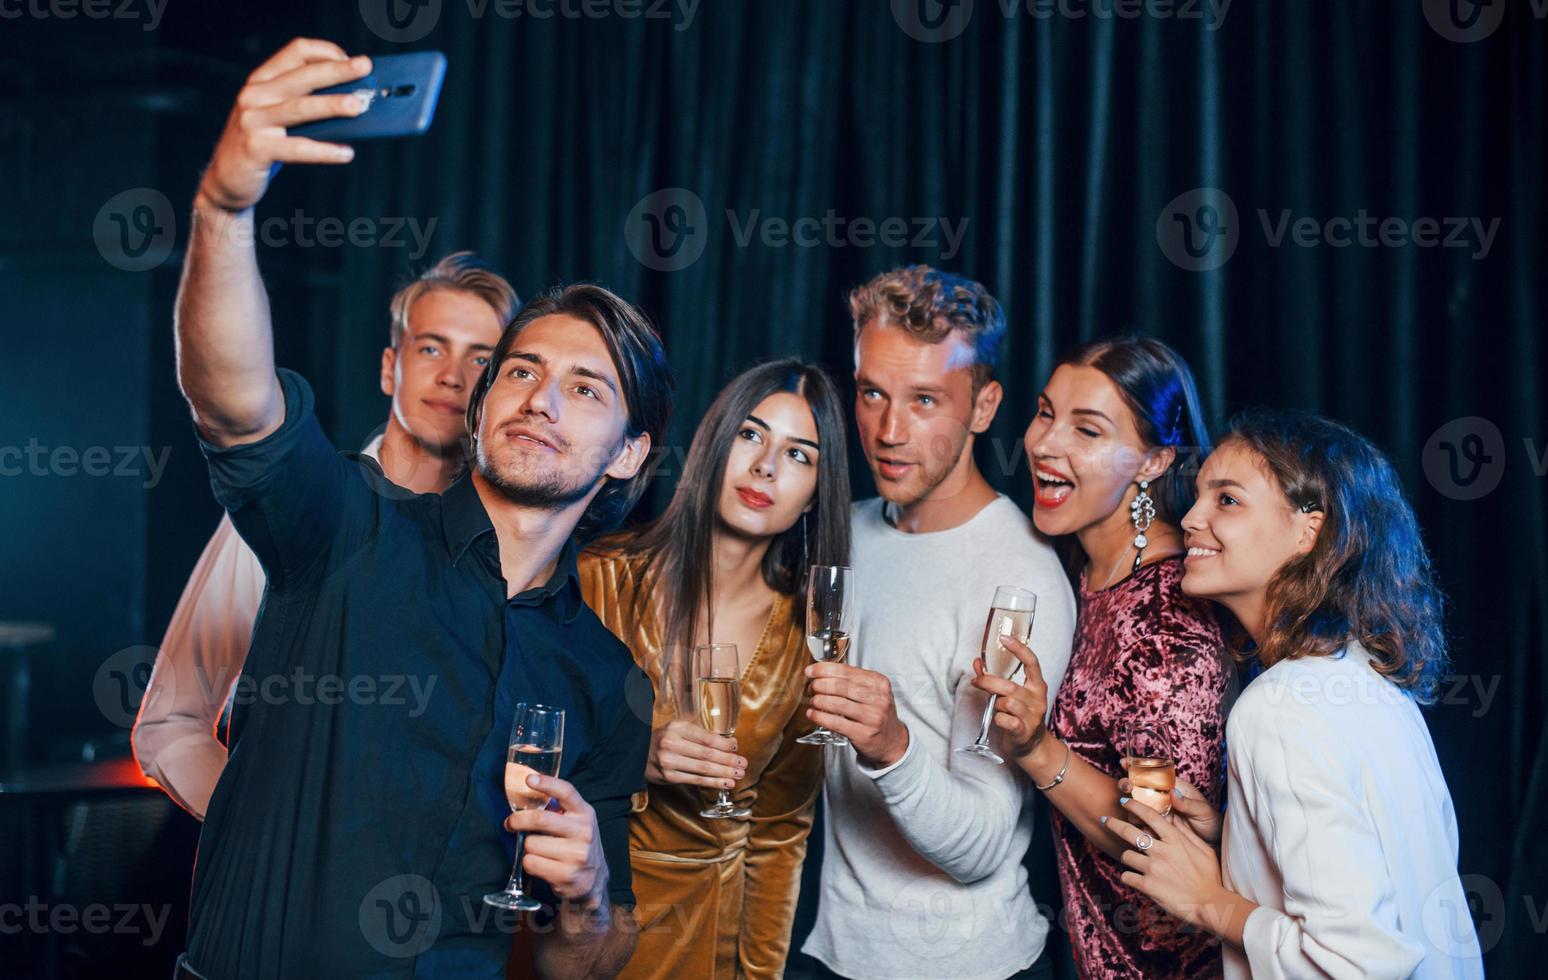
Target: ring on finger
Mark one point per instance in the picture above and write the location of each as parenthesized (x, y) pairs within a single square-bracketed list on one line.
[(1143, 841)]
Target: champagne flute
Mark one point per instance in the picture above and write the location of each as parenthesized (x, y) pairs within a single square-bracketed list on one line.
[(716, 672), (537, 740), (829, 624), (1151, 765), (1009, 615)]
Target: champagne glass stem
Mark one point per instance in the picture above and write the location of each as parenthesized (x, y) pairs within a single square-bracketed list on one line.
[(518, 883), (983, 727)]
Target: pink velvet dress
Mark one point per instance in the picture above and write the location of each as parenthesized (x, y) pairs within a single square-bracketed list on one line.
[(1144, 653)]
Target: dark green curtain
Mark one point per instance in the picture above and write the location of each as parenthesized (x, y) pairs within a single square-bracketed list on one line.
[(1068, 145)]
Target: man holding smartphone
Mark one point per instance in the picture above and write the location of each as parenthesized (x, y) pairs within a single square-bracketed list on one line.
[(445, 324), (351, 838)]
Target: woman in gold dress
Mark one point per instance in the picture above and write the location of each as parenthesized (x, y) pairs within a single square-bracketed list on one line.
[(764, 494)]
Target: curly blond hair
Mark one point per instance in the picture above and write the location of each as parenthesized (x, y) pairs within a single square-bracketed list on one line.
[(930, 304)]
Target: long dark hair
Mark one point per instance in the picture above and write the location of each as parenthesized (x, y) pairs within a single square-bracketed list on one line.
[(1368, 577), (1157, 385), (679, 544), (643, 375)]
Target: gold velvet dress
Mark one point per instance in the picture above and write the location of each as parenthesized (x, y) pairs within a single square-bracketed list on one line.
[(716, 898)]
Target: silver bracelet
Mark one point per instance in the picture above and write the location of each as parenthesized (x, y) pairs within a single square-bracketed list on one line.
[(1062, 770)]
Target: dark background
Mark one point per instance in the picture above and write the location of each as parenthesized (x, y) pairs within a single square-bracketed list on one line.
[(1074, 145)]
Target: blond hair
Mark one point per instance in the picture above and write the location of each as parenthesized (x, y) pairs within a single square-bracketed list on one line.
[(462, 271), (930, 304)]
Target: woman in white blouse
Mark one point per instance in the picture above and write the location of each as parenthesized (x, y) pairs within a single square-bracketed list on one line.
[(1338, 848)]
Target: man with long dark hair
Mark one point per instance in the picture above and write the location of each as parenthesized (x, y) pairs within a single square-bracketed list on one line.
[(931, 836), (349, 836), (445, 324)]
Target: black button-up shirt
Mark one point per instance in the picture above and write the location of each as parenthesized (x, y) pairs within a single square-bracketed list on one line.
[(359, 821)]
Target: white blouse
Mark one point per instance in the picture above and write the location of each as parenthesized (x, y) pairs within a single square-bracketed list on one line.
[(1341, 828)]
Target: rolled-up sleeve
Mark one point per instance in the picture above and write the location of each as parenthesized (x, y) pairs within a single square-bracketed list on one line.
[(200, 659)]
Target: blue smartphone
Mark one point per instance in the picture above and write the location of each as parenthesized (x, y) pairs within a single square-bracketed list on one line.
[(401, 93)]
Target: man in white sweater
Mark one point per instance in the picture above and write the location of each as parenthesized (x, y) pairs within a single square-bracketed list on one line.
[(444, 325), (922, 874)]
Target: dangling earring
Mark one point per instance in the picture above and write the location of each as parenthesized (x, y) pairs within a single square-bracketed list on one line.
[(800, 582), (1142, 510)]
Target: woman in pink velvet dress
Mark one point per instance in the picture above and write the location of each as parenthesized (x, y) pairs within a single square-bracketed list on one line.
[(1114, 423)]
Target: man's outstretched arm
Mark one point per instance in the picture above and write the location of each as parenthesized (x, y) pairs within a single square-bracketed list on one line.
[(225, 345)]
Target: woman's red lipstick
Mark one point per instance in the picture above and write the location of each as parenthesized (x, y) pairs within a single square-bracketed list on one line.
[(754, 499)]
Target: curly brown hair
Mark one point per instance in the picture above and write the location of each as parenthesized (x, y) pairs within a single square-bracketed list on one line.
[(1368, 577), (930, 304)]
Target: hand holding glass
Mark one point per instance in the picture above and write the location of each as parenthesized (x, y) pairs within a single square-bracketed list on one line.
[(1010, 615), (536, 743), (717, 691), (829, 624), (1147, 755)]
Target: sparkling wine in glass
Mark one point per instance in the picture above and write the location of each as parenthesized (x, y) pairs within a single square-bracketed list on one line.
[(717, 692), (829, 625), (535, 746), (1152, 767), (1009, 615)]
